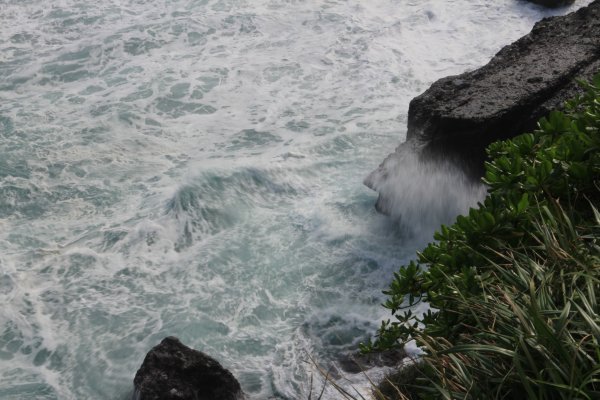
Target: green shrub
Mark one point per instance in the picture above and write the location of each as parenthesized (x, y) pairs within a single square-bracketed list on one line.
[(513, 286)]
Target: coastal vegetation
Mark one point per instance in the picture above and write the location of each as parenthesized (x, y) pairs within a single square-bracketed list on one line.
[(514, 286)]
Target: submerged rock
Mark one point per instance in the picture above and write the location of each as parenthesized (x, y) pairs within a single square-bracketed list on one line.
[(458, 116), (357, 362), (173, 371)]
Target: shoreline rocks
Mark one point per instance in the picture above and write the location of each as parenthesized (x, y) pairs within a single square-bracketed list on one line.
[(553, 3), (356, 362), (173, 371), (458, 116)]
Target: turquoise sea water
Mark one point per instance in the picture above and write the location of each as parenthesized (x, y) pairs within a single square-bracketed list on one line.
[(194, 168)]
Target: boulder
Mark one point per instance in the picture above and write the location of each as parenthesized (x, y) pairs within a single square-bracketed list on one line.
[(458, 116), (173, 371)]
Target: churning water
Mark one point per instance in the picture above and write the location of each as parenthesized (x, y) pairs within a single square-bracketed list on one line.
[(194, 168)]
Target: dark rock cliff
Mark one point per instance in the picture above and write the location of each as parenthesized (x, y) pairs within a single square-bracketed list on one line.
[(553, 3), (458, 116)]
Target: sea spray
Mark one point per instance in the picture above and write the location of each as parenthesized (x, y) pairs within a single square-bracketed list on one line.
[(420, 193)]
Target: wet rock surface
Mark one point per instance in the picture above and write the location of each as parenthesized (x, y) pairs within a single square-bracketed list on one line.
[(357, 362), (458, 116), (173, 371)]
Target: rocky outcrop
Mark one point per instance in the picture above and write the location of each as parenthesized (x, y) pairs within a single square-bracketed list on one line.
[(458, 116), (553, 3), (173, 371)]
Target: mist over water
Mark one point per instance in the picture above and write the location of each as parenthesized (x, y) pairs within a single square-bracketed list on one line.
[(194, 168)]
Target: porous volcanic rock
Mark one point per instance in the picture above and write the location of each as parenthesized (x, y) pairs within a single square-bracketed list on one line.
[(458, 116), (173, 371)]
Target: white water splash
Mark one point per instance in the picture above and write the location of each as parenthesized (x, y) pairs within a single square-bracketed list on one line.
[(423, 194)]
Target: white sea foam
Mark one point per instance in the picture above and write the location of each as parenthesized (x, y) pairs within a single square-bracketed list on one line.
[(194, 168)]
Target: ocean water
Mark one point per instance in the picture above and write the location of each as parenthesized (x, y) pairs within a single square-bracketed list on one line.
[(193, 168)]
